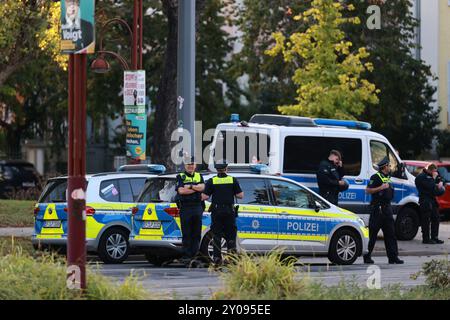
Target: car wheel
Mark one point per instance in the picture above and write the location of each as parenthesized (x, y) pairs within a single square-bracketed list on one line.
[(345, 247), (407, 224), (155, 259), (113, 246), (206, 247)]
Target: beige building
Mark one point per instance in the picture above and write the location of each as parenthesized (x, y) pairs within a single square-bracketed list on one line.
[(434, 38)]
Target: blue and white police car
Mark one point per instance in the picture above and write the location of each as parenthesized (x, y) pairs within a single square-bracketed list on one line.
[(275, 213)]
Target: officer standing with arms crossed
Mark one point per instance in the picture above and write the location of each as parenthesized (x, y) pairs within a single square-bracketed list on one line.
[(430, 186), (381, 214), (329, 177), (190, 185), (223, 189)]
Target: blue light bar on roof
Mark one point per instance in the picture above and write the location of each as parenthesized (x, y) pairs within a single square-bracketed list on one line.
[(147, 168), (259, 168), (344, 123)]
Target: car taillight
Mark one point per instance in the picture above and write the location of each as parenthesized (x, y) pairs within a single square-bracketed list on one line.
[(174, 212), (36, 211), (134, 210), (66, 209), (90, 211)]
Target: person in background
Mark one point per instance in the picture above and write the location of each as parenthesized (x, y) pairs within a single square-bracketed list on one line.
[(329, 177)]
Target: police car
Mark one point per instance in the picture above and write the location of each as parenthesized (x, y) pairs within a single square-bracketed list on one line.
[(275, 213), (293, 147), (109, 199)]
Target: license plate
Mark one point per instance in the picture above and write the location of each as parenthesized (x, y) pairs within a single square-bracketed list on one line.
[(52, 224), (28, 184), (152, 225)]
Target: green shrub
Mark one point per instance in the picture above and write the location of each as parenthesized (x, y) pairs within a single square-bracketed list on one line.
[(44, 277), (437, 274)]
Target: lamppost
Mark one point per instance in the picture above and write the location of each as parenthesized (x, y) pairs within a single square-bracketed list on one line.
[(101, 65)]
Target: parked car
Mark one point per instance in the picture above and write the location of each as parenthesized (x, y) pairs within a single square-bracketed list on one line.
[(293, 147), (275, 213), (16, 176), (416, 167), (109, 199)]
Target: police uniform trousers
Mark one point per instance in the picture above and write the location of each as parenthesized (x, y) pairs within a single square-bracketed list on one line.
[(429, 214), (223, 225), (330, 196), (191, 227), (381, 217)]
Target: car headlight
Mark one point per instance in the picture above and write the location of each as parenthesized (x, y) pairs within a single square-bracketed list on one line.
[(361, 222)]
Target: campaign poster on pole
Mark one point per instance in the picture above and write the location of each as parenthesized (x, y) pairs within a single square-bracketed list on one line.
[(77, 26), (135, 113)]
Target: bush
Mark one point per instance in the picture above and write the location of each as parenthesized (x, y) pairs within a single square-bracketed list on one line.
[(44, 277), (443, 143), (268, 277)]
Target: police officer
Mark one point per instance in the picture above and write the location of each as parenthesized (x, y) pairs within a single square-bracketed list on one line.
[(381, 214), (190, 185), (223, 189), (429, 185), (329, 177)]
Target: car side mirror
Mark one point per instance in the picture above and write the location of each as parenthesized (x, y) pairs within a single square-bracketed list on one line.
[(317, 206)]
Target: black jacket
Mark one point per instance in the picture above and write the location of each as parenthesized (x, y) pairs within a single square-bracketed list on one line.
[(427, 188), (328, 176)]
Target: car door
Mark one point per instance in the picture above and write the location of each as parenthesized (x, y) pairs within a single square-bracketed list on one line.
[(301, 228), (257, 222)]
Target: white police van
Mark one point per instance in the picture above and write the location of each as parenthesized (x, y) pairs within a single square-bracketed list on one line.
[(294, 146)]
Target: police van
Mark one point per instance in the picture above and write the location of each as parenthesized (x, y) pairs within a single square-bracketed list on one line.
[(275, 213), (109, 199), (293, 147)]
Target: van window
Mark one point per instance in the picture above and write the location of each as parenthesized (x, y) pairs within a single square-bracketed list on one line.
[(290, 195), (125, 191), (54, 191), (255, 192), (304, 154), (159, 190), (379, 150), (137, 184), (242, 147), (109, 190)]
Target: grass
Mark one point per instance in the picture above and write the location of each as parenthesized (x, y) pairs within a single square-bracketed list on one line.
[(251, 277), (9, 245), (43, 277), (16, 213)]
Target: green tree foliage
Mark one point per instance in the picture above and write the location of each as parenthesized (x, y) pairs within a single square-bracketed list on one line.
[(405, 114), (329, 81)]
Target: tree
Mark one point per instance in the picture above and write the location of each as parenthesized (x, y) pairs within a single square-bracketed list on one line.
[(329, 81), (27, 28), (405, 113)]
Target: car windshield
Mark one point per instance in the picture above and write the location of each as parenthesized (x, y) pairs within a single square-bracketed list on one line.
[(159, 190), (54, 191)]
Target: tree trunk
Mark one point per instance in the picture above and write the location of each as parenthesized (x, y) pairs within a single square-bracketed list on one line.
[(166, 106)]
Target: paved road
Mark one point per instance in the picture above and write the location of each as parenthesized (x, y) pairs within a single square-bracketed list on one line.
[(178, 282)]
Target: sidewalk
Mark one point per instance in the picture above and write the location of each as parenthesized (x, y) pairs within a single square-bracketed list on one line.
[(16, 232)]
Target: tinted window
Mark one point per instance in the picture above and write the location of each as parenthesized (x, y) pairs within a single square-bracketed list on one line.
[(303, 154), (137, 184), (109, 190), (444, 173), (55, 191), (255, 192), (159, 190), (379, 151), (125, 191), (290, 195), (242, 147)]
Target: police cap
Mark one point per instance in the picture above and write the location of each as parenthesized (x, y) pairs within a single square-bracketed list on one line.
[(221, 164), (383, 163)]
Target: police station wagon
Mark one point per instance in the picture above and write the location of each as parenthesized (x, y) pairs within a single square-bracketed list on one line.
[(275, 213), (293, 147), (109, 199)]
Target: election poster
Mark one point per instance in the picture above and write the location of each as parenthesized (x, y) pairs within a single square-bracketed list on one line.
[(135, 113), (77, 26)]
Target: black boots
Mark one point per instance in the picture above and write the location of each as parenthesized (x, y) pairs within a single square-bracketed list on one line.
[(368, 259), (396, 261)]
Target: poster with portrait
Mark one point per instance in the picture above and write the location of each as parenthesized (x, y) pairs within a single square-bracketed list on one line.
[(77, 26)]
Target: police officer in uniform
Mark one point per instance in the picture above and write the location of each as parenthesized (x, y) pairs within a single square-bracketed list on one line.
[(381, 214), (430, 186), (329, 177), (223, 189), (190, 185)]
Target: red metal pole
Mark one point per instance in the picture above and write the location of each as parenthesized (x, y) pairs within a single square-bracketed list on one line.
[(134, 57), (141, 31), (76, 189)]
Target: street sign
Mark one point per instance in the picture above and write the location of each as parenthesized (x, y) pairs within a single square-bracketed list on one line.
[(134, 98), (77, 26)]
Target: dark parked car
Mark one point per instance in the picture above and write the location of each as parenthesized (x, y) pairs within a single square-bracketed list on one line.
[(16, 176)]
